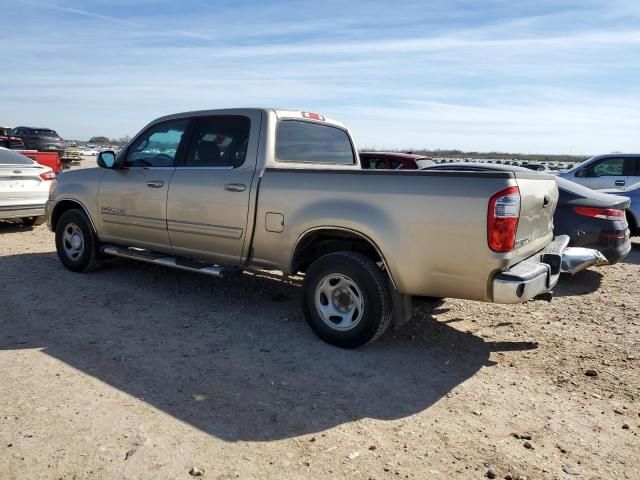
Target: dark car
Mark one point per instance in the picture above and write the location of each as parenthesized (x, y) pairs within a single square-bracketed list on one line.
[(394, 161), (590, 218), (633, 212), (41, 139)]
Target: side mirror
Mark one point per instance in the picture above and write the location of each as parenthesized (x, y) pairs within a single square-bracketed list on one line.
[(107, 159), (582, 173)]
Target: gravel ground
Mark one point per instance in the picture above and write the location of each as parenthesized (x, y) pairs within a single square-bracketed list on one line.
[(136, 371)]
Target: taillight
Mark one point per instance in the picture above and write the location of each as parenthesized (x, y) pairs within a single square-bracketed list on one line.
[(48, 175), (601, 213), (502, 220)]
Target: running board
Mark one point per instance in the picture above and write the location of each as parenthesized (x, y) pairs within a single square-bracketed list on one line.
[(148, 256)]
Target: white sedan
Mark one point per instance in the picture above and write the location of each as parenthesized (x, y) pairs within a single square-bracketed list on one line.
[(24, 187)]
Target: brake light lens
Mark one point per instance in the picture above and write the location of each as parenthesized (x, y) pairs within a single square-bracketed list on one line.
[(502, 220), (48, 175), (601, 213), (313, 116)]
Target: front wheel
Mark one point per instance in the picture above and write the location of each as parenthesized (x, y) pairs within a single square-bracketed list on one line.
[(346, 299), (76, 242)]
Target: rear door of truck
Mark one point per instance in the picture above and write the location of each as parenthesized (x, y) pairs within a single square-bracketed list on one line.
[(210, 192)]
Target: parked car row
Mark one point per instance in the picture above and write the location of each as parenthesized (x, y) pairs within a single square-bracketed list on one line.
[(531, 165)]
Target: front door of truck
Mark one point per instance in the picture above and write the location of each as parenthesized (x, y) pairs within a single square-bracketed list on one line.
[(210, 192), (132, 200)]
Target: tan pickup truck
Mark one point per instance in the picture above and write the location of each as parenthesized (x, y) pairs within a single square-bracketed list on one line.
[(222, 190)]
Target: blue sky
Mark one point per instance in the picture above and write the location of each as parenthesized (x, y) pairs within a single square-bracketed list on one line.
[(524, 76)]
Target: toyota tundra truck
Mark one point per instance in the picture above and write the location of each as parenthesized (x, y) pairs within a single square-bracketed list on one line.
[(220, 191)]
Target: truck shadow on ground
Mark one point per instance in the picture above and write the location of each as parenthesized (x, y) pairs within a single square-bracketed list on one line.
[(232, 357), (582, 283)]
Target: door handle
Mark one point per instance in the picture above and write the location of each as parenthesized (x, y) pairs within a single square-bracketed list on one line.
[(235, 187), (620, 183), (155, 184)]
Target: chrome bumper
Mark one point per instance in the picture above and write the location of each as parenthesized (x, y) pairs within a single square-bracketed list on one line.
[(538, 274)]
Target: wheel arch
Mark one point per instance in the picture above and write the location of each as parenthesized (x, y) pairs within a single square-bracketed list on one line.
[(319, 241), (65, 205)]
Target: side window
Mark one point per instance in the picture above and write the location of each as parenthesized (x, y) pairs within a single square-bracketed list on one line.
[(633, 166), (298, 141), (375, 163), (219, 141), (609, 167), (157, 147)]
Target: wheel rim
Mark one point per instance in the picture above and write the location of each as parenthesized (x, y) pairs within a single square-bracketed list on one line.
[(73, 241), (339, 302)]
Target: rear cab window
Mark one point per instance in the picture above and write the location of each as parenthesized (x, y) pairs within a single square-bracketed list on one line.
[(299, 141)]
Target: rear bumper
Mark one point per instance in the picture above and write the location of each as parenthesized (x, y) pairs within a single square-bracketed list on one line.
[(538, 274), (19, 211)]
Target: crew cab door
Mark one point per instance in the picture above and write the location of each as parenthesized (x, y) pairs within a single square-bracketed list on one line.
[(132, 200), (210, 192)]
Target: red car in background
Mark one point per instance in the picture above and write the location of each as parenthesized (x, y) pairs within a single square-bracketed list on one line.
[(48, 159), (394, 161), (9, 141)]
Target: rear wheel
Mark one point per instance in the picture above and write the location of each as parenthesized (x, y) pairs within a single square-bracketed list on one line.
[(33, 221), (346, 298), (76, 242)]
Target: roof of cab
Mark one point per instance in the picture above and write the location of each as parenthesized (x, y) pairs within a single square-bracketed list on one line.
[(278, 112)]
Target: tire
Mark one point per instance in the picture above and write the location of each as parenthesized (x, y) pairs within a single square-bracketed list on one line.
[(76, 242), (33, 221), (346, 299)]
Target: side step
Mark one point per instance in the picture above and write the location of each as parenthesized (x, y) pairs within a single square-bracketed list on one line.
[(161, 259)]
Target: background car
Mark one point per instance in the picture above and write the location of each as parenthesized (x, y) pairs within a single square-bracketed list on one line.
[(9, 141), (615, 170), (633, 212), (24, 187), (592, 219), (41, 139), (394, 161), (48, 159)]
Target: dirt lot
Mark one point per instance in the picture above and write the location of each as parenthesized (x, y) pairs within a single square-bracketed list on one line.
[(139, 372)]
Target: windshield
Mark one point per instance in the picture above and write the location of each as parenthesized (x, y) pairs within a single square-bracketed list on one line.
[(7, 157)]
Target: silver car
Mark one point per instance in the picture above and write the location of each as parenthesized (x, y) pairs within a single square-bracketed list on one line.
[(615, 171), (24, 187)]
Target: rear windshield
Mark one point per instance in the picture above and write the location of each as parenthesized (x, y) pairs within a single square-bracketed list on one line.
[(44, 133), (7, 157), (307, 142)]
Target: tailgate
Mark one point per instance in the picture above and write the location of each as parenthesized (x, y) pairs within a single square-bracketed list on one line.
[(538, 201)]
